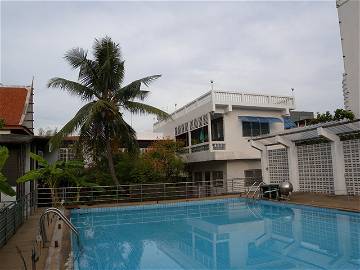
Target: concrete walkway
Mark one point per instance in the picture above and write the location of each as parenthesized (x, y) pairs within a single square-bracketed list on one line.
[(24, 238), (348, 203)]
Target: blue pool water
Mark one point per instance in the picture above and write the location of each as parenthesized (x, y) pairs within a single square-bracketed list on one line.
[(217, 234)]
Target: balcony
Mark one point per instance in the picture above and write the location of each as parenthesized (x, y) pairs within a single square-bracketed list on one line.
[(216, 146), (213, 98)]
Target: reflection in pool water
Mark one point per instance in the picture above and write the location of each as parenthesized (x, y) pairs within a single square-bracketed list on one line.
[(222, 234)]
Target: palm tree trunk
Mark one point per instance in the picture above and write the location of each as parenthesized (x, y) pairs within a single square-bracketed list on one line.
[(111, 162)]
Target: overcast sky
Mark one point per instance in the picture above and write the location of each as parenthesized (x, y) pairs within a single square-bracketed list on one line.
[(263, 47)]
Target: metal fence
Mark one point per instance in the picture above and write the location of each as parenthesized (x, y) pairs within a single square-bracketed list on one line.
[(141, 192), (14, 214)]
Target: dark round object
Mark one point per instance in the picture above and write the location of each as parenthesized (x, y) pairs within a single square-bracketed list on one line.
[(286, 188)]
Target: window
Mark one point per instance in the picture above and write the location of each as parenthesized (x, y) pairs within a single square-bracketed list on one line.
[(218, 177), (198, 177), (217, 129), (183, 139), (251, 129), (199, 135), (252, 176)]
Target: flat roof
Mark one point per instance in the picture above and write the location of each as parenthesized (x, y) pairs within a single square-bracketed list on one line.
[(310, 132)]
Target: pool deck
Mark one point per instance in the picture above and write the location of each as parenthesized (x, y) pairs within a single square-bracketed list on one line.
[(346, 203), (24, 238)]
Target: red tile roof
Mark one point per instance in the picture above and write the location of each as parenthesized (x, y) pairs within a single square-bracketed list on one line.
[(13, 103)]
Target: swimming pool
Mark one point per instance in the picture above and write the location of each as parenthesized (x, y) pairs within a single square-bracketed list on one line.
[(217, 234)]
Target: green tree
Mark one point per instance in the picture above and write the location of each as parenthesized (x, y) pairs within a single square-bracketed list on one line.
[(100, 83), (339, 114), (51, 174), (4, 185)]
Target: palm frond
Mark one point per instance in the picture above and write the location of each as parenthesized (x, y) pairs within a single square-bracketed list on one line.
[(76, 57), (74, 88), (141, 108), (110, 65), (132, 90), (80, 117)]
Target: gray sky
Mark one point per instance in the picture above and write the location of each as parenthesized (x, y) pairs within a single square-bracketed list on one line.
[(266, 47)]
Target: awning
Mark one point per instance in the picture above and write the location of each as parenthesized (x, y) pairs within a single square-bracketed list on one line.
[(260, 119), (288, 123)]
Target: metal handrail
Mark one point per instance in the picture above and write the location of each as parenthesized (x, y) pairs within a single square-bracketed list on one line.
[(257, 188), (142, 192), (65, 219), (247, 193)]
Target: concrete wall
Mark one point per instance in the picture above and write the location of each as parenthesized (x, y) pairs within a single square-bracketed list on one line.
[(235, 142), (349, 12)]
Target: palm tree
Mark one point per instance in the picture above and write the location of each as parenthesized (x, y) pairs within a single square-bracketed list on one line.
[(4, 185), (100, 83)]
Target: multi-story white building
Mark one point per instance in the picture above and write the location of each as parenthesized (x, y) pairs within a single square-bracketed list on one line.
[(215, 129), (349, 13)]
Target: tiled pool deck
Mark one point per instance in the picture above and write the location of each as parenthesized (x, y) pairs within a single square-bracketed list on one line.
[(25, 236)]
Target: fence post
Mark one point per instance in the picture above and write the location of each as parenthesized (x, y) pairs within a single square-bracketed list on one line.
[(164, 192), (186, 191)]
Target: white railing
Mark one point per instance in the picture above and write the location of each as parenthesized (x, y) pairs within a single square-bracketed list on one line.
[(252, 99), (233, 98)]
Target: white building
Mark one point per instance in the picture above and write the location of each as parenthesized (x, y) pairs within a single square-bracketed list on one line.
[(215, 129), (349, 13)]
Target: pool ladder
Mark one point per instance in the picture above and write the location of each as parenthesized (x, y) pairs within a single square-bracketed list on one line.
[(254, 191), (65, 219)]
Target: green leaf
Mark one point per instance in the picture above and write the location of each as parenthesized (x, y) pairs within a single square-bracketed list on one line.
[(39, 159), (31, 176), (5, 187), (4, 155)]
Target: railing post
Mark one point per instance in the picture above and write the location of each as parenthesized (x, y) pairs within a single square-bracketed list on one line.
[(186, 192), (141, 193), (164, 191)]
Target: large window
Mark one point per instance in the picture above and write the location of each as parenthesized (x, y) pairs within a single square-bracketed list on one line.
[(199, 135), (251, 129), (217, 129), (183, 138)]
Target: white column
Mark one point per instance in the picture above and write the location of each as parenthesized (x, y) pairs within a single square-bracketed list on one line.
[(209, 132), (264, 160), (292, 161), (337, 156)]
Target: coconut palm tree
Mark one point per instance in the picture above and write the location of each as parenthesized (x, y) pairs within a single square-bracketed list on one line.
[(100, 121), (4, 185)]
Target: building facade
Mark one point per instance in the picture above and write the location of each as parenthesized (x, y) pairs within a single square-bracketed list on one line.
[(215, 129), (323, 158), (349, 22), (16, 111)]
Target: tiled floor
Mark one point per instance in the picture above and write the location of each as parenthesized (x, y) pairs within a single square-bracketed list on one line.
[(24, 238)]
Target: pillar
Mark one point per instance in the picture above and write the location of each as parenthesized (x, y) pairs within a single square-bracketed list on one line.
[(337, 156), (292, 161), (264, 160)]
